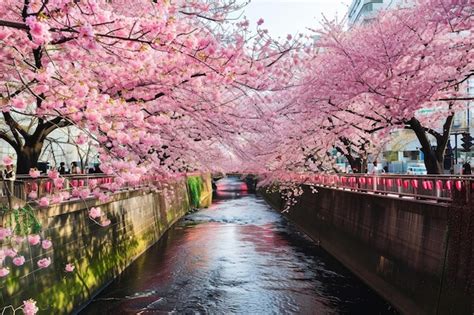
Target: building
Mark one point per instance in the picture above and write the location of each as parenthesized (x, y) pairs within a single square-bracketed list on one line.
[(362, 11)]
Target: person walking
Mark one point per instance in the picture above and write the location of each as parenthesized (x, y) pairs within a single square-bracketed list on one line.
[(75, 169), (62, 168), (466, 168), (8, 172), (9, 177)]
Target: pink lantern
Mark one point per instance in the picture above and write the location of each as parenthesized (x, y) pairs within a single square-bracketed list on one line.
[(389, 182), (449, 184), (439, 184), (458, 185), (399, 182), (48, 186), (425, 185), (414, 183), (406, 183)]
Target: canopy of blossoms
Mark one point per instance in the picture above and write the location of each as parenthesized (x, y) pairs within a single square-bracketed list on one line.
[(360, 84), (166, 86)]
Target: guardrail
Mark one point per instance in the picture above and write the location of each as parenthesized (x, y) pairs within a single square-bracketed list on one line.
[(66, 187), (441, 188)]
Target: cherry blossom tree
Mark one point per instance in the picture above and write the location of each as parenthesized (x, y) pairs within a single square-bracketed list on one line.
[(377, 77), (153, 86)]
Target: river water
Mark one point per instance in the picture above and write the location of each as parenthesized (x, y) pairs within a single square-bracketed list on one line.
[(237, 257)]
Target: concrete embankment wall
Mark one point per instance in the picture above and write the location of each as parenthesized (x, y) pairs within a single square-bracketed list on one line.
[(139, 218), (418, 255)]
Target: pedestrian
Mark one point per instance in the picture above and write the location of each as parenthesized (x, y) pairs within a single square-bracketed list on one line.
[(75, 169), (466, 168), (62, 168), (374, 169), (8, 172), (8, 178)]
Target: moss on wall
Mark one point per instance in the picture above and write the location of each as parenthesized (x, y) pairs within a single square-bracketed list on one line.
[(200, 190), (195, 186)]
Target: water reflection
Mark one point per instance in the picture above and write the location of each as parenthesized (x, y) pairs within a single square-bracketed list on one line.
[(238, 256)]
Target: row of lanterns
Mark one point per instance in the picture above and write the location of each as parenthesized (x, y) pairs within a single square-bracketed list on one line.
[(369, 182)]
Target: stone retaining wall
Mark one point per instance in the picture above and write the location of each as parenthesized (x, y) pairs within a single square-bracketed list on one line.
[(403, 248), (139, 218)]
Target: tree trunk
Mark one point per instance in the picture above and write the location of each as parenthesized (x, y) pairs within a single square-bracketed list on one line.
[(432, 164), (27, 157), (433, 158), (354, 162)]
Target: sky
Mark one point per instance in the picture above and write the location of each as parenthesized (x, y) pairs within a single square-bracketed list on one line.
[(283, 17)]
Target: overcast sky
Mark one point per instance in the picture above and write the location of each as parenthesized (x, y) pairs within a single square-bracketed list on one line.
[(283, 17)]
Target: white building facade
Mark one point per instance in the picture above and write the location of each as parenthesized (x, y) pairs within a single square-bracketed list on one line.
[(362, 11)]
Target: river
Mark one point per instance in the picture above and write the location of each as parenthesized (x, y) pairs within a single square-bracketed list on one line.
[(237, 257)]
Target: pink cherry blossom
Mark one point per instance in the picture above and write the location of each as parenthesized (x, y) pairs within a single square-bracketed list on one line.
[(34, 239), (57, 199), (18, 103), (81, 139), (53, 174), (33, 194), (7, 160), (18, 239), (43, 202), (260, 21), (46, 244), (39, 31), (29, 307), (104, 197), (59, 182), (105, 223), (34, 173), (44, 263), (4, 34), (19, 260), (94, 212), (4, 233), (86, 30), (84, 193), (10, 252), (69, 268), (4, 272)]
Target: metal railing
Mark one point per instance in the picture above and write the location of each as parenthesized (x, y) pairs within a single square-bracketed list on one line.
[(442, 188), (26, 188)]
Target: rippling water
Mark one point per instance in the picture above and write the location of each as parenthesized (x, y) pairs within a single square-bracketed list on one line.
[(239, 256)]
